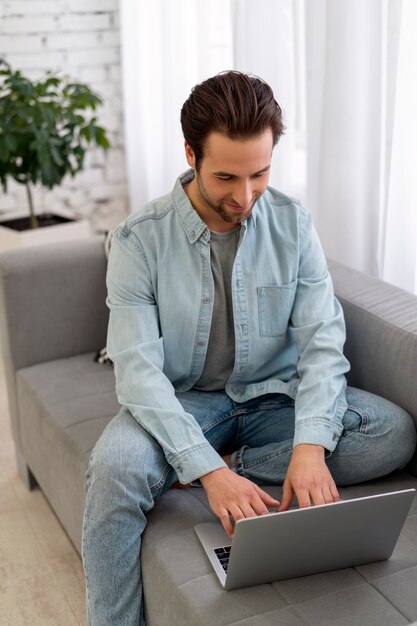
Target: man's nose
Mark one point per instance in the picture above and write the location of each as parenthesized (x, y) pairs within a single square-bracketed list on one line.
[(243, 193)]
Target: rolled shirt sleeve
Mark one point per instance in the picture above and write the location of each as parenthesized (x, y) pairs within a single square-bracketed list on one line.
[(317, 324), (136, 347)]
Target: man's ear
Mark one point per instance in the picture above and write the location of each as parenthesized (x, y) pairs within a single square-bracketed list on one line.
[(189, 155)]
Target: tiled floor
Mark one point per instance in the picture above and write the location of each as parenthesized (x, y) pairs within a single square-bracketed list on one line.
[(41, 575)]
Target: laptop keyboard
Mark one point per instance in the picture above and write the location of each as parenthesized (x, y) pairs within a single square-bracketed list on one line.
[(223, 555)]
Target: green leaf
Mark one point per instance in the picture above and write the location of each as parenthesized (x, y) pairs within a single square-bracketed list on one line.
[(6, 65), (86, 133), (56, 156), (49, 117), (11, 142), (4, 151), (52, 82), (101, 138), (79, 154)]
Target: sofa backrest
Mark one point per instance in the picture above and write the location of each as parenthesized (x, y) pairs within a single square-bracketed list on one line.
[(381, 345), (52, 299)]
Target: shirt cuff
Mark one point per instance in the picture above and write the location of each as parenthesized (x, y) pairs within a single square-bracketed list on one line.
[(196, 462), (318, 432)]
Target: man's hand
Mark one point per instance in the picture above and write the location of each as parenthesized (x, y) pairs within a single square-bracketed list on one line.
[(231, 495), (308, 478)]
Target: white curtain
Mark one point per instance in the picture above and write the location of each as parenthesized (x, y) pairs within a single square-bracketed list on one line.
[(344, 74), (361, 129), (399, 217), (168, 46)]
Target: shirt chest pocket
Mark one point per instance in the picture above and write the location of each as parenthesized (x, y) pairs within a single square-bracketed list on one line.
[(274, 305)]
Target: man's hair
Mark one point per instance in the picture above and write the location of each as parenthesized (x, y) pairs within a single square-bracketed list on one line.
[(235, 104)]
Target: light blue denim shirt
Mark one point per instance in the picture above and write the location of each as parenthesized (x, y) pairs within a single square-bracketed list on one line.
[(289, 328)]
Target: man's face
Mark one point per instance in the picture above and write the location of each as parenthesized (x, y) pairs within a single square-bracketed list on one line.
[(233, 174)]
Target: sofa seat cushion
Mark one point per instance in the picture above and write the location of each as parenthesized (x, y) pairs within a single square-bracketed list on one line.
[(181, 588), (76, 393)]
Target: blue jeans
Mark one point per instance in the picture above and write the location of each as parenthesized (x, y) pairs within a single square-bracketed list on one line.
[(128, 472)]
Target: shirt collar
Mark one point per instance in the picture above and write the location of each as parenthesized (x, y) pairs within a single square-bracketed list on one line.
[(190, 219)]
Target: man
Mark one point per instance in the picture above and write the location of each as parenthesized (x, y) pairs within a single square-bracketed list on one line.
[(227, 344)]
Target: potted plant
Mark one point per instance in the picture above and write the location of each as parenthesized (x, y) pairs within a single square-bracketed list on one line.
[(45, 129)]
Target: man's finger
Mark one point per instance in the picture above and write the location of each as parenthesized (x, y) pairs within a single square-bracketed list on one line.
[(317, 496), (266, 498), (249, 510), (236, 511), (225, 520), (330, 493), (334, 492), (328, 496), (287, 497), (303, 498)]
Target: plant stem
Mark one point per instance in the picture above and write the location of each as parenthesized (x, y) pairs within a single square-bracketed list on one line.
[(33, 219)]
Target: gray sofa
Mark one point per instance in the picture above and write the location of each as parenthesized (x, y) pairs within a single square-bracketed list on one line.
[(53, 320)]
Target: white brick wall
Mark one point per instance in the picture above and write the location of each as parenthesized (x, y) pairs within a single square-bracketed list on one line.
[(79, 38), (30, 7)]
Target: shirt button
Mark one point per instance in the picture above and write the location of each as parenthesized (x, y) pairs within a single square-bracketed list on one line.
[(206, 300), (200, 344)]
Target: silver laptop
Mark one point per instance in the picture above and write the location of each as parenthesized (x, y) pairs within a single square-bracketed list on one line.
[(306, 541)]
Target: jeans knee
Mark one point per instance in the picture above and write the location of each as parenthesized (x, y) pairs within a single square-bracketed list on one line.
[(379, 438), (109, 462), (407, 434), (116, 451), (127, 459), (400, 436), (393, 421)]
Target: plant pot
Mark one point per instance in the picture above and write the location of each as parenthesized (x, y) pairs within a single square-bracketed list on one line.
[(15, 231)]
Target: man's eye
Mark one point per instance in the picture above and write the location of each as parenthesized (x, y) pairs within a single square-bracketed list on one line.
[(224, 177)]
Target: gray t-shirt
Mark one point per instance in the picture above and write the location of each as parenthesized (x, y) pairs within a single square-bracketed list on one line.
[(220, 358)]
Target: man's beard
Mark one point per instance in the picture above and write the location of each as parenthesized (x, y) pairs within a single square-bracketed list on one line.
[(227, 216)]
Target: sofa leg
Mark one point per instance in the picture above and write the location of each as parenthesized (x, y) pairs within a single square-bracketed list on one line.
[(24, 471)]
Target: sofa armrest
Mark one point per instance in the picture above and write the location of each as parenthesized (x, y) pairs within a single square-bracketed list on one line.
[(381, 322), (52, 301)]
